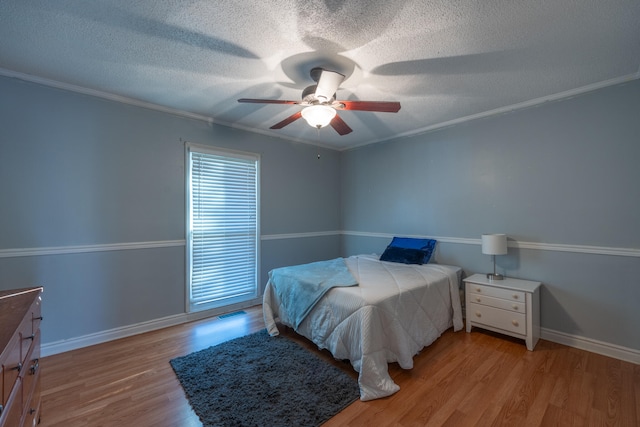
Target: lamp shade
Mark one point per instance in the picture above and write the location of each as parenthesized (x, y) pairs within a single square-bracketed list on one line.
[(494, 244), (318, 116)]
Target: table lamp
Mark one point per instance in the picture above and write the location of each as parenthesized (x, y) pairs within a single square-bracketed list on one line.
[(494, 244)]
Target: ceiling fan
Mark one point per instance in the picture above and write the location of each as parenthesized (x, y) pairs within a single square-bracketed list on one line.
[(320, 103)]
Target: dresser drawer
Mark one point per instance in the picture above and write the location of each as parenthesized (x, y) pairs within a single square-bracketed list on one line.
[(490, 291), (32, 366), (32, 412), (497, 318), (26, 338), (11, 366), (504, 304), (36, 314), (12, 412), (19, 357)]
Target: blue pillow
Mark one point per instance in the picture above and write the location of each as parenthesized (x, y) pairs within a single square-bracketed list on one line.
[(402, 255), (427, 246)]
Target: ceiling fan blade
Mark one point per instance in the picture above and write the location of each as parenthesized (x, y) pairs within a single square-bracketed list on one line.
[(292, 118), (328, 85), (378, 106), (340, 126), (267, 101)]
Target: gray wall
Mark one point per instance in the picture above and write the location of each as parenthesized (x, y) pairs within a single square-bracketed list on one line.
[(79, 171), (564, 173)]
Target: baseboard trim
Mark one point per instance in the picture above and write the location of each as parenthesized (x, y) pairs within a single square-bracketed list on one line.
[(61, 346), (594, 346), (599, 347)]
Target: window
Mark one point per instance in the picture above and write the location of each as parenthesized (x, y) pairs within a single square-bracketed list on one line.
[(222, 227)]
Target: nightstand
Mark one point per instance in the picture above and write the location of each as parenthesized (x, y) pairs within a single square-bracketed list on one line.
[(509, 306)]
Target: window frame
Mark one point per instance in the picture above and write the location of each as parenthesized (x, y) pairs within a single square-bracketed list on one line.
[(236, 302)]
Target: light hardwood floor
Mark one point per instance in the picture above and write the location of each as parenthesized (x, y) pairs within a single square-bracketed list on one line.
[(462, 379)]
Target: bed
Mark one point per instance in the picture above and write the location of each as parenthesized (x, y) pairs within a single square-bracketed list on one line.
[(392, 312)]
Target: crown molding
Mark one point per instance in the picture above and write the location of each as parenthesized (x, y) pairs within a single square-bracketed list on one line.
[(101, 94), (510, 108), (148, 105)]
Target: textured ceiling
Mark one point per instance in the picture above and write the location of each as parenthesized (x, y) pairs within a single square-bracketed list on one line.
[(443, 60)]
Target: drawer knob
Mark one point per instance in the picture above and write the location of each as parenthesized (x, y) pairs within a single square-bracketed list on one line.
[(18, 367), (515, 307), (515, 296), (478, 299), (514, 323), (478, 314), (478, 290), (35, 364)]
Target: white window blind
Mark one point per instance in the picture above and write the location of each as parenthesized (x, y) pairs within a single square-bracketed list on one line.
[(223, 228)]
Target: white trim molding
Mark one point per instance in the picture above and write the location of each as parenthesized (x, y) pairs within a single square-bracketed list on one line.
[(101, 94), (300, 235), (594, 346), (583, 249), (48, 349), (441, 239), (63, 250), (509, 108), (597, 250), (148, 105), (181, 113), (75, 343)]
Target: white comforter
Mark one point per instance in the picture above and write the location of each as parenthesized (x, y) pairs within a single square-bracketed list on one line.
[(393, 313)]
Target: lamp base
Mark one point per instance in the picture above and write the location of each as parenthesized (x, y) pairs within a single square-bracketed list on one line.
[(493, 276)]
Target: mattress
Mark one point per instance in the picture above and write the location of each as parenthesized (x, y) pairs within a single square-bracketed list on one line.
[(394, 312)]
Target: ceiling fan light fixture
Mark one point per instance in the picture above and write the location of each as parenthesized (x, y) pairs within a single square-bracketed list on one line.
[(319, 104), (318, 116)]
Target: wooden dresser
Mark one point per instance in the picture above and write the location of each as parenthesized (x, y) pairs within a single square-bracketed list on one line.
[(20, 318)]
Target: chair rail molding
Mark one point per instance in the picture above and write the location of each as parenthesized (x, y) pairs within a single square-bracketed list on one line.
[(584, 249), (62, 250), (558, 247)]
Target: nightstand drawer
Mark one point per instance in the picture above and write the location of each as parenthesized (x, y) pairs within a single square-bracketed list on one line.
[(497, 318), (509, 294), (504, 304)]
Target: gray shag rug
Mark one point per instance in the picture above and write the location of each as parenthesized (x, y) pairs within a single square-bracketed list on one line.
[(258, 380)]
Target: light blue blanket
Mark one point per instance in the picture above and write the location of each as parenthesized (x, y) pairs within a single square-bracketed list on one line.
[(300, 287)]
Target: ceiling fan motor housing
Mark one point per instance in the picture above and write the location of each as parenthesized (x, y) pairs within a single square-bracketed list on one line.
[(309, 96), (309, 93)]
